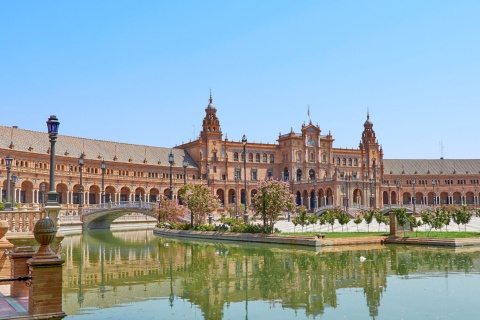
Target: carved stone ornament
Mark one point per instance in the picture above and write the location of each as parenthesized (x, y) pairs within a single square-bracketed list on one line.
[(45, 232)]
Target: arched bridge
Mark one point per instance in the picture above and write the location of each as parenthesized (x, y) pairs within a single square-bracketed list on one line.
[(100, 216)]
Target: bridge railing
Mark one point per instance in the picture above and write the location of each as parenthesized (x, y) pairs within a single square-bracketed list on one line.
[(119, 205)]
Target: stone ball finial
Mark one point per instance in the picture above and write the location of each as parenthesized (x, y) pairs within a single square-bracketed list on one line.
[(45, 232)]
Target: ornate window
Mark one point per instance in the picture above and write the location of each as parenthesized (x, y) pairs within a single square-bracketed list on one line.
[(235, 156)]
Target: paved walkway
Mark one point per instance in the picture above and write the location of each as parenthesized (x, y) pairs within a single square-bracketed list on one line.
[(286, 226)]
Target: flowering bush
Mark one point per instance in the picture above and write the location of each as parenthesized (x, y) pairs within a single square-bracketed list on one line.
[(272, 199), (199, 201)]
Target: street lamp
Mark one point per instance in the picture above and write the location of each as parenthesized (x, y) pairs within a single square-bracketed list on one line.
[(80, 196), (171, 161), (312, 177), (347, 191), (8, 164), (434, 197), (371, 193), (413, 197), (185, 164), (14, 181), (244, 141), (398, 184), (236, 193), (52, 125), (475, 200), (42, 187), (103, 166)]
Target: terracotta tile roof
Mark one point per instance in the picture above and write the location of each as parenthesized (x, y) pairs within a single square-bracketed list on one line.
[(38, 143), (431, 166)]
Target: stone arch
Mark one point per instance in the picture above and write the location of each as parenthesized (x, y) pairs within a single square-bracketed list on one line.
[(329, 197), (357, 197), (94, 194), (457, 198), (444, 198), (26, 192), (221, 196), (419, 197), (385, 197), (469, 198), (125, 194), (232, 196), (154, 195), (298, 198), (430, 198), (62, 190), (305, 198), (299, 175), (139, 194), (407, 198), (321, 197), (109, 194)]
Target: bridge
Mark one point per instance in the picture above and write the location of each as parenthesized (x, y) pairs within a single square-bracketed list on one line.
[(100, 216)]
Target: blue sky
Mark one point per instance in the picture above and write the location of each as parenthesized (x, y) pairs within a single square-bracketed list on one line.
[(140, 71)]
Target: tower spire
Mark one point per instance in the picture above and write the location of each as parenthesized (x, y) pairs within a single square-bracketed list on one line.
[(211, 100)]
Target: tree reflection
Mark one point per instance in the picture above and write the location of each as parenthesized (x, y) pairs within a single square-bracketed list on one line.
[(213, 276)]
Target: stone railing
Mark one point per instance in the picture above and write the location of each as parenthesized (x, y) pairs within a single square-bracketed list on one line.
[(22, 220)]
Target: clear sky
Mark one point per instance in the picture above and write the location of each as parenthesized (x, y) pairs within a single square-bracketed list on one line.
[(140, 71)]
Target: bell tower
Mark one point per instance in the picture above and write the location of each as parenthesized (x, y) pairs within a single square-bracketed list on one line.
[(211, 124)]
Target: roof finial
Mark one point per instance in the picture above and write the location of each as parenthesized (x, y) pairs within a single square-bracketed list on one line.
[(211, 96), (368, 113)]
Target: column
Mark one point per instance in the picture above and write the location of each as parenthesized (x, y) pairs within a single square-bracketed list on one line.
[(309, 206), (1, 194)]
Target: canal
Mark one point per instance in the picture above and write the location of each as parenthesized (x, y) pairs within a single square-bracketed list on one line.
[(136, 275)]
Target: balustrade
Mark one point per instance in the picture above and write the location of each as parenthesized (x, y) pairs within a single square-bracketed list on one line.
[(21, 221)]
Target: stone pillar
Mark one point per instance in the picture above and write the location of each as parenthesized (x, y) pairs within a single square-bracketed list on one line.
[(5, 246), (18, 260), (393, 223), (45, 292)]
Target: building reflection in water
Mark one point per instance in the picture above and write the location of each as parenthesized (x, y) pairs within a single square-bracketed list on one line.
[(105, 269)]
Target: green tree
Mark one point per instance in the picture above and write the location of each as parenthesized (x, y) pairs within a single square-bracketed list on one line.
[(301, 218), (358, 219), (402, 217), (330, 217), (199, 201), (273, 198), (312, 219), (462, 216), (427, 217), (343, 218), (368, 217), (379, 218)]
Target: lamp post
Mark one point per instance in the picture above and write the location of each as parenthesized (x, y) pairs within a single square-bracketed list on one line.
[(236, 195), (433, 193), (371, 194), (8, 164), (475, 200), (14, 181), (244, 141), (413, 197), (52, 125), (171, 161), (312, 178), (347, 182), (398, 184), (185, 164), (42, 188), (80, 196), (103, 166)]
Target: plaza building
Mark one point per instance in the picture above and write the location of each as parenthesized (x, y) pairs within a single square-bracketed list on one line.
[(319, 174)]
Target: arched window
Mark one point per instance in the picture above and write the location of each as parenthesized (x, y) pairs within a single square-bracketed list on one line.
[(344, 162), (265, 158), (257, 157), (250, 157), (235, 156), (299, 156), (272, 158), (312, 157), (324, 158), (355, 162), (242, 157), (350, 162), (299, 175), (338, 161)]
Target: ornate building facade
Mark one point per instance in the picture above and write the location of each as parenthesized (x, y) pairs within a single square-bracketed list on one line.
[(319, 174)]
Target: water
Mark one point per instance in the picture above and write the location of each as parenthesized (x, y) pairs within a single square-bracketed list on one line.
[(135, 275)]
